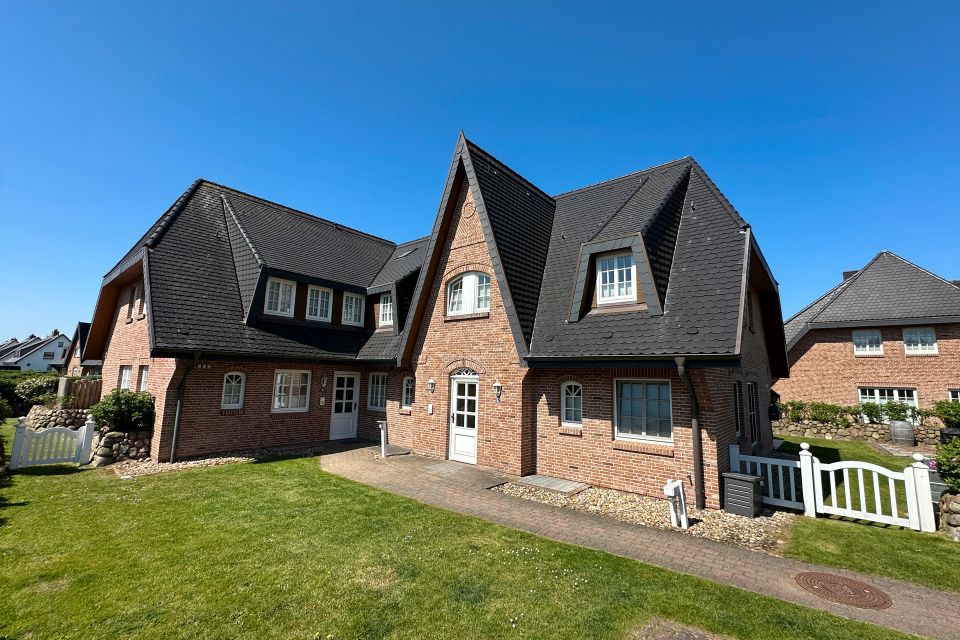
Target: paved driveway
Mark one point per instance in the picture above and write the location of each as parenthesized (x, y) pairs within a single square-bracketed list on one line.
[(464, 488)]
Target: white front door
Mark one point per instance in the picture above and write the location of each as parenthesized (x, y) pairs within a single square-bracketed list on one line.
[(463, 418), (343, 418)]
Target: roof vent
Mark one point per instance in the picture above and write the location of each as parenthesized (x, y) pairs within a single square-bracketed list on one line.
[(849, 274)]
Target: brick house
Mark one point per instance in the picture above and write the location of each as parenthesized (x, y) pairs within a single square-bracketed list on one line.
[(890, 331), (620, 334), (74, 364)]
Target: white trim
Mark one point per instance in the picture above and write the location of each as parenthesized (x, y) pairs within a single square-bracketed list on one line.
[(468, 376), (370, 406), (616, 412), (354, 409), (469, 293), (343, 311), (386, 321), (273, 400), (866, 351), (293, 297), (563, 404), (243, 386), (143, 377), (403, 392), (920, 350), (126, 377), (320, 291), (628, 297), (953, 394)]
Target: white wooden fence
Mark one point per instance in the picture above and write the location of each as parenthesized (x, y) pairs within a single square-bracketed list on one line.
[(51, 446), (870, 492)]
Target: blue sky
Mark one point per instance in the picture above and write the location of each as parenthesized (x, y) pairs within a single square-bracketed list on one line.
[(832, 129)]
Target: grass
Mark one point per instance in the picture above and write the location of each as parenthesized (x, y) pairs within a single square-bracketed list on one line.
[(284, 550), (923, 558)]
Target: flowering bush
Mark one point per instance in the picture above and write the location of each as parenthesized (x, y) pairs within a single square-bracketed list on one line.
[(37, 390), (947, 463)]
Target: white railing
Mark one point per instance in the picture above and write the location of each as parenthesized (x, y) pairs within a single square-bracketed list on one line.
[(871, 492), (781, 485), (51, 446)]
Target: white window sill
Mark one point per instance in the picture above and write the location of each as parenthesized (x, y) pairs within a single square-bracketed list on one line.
[(231, 407), (278, 314), (920, 354), (377, 409), (318, 319), (619, 300), (668, 442), (868, 355), (300, 410), (572, 425), (352, 324)]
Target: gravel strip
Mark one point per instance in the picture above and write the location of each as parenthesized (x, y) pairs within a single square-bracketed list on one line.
[(133, 468), (761, 533)]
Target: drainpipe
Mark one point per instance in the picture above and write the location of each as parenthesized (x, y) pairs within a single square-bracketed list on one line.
[(176, 416), (701, 496)]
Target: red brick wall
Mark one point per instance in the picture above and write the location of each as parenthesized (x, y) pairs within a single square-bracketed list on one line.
[(484, 344), (823, 367)]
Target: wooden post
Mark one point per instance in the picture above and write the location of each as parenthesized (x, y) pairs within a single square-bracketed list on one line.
[(19, 436), (807, 481), (924, 501)]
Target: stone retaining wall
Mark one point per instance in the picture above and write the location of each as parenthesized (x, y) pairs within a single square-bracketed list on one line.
[(116, 446), (40, 417), (925, 434), (950, 515)]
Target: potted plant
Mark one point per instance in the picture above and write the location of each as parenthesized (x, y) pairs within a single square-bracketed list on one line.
[(901, 427), (946, 464)]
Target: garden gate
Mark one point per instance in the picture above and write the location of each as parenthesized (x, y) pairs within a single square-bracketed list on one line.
[(51, 446)]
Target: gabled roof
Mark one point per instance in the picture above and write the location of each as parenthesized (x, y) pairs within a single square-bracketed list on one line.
[(33, 347), (890, 290), (80, 337), (405, 260), (22, 346)]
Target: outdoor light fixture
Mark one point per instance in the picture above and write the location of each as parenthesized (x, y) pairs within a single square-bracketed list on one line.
[(497, 390), (323, 382), (431, 385)]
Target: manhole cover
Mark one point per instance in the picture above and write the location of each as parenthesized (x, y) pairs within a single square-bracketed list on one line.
[(844, 590)]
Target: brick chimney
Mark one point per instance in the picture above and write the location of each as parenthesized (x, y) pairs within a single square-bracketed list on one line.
[(849, 274)]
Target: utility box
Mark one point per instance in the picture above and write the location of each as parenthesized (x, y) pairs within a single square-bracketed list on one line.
[(742, 494)]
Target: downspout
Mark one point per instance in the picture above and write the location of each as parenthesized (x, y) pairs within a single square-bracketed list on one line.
[(176, 416), (701, 496)]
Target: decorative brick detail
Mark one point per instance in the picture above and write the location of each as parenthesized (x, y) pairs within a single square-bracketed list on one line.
[(644, 447), (571, 431)]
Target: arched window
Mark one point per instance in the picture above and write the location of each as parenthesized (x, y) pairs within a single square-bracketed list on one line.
[(233, 387), (409, 392), (469, 293), (572, 398)]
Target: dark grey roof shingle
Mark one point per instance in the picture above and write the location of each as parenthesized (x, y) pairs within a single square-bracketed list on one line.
[(406, 258)]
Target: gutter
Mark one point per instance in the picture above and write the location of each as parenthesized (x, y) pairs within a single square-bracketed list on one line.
[(701, 498), (176, 417)]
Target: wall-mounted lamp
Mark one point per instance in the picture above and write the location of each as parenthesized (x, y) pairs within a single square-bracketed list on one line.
[(497, 390), (431, 385), (323, 382)]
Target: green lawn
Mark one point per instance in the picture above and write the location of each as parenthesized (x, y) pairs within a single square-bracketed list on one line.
[(283, 550), (924, 558)]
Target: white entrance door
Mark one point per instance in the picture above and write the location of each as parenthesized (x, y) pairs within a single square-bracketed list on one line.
[(343, 420), (463, 418)]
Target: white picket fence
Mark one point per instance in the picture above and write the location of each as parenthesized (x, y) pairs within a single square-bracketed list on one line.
[(51, 446), (847, 492)]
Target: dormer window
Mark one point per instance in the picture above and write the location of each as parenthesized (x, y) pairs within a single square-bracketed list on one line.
[(469, 293), (616, 275), (319, 303), (352, 309), (386, 309), (281, 295)]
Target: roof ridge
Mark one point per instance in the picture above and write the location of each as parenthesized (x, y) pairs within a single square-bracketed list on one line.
[(414, 241), (849, 281), (794, 316), (298, 212), (243, 232), (626, 175), (727, 205), (40, 345), (507, 168), (918, 267)]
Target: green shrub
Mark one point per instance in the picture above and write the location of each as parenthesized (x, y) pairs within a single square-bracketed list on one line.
[(795, 410), (898, 410), (825, 412), (9, 381), (947, 463), (124, 410), (948, 411), (37, 390), (872, 411), (6, 411)]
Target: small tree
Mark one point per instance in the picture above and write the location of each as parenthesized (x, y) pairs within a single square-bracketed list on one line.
[(947, 463), (897, 410), (872, 411), (124, 410), (948, 411)]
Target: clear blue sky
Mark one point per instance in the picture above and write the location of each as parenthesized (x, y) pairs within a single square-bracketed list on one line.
[(833, 129)]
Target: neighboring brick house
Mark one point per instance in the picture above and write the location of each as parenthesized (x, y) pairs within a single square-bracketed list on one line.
[(890, 331), (74, 364), (587, 336)]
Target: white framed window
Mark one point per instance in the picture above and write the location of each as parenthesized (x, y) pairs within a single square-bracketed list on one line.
[(867, 342), (954, 394), (571, 395), (409, 392), (319, 303), (143, 374), (386, 309), (883, 395), (643, 410), (377, 392), (280, 298), (616, 275), (126, 372), (291, 391), (468, 293), (352, 309), (753, 412), (919, 341), (76, 352), (234, 384)]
